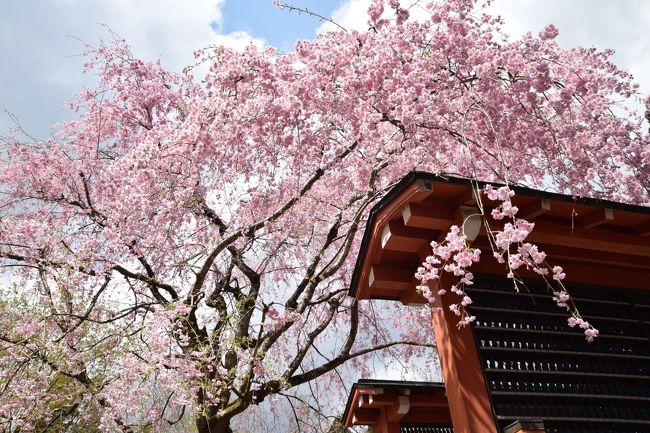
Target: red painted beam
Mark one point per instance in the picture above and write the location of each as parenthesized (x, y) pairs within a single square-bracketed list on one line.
[(365, 416), (589, 239), (396, 237), (596, 218), (427, 216), (389, 277), (534, 209), (641, 229)]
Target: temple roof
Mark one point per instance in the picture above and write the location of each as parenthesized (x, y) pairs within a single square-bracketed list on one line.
[(372, 402), (575, 231)]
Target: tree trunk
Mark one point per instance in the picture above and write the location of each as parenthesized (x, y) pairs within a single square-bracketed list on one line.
[(212, 424)]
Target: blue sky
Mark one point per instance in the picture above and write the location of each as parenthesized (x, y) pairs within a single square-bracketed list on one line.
[(40, 38), (279, 28)]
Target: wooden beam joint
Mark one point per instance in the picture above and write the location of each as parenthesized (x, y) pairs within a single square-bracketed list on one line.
[(398, 409), (642, 229), (397, 237), (427, 216), (389, 277), (596, 218), (534, 209), (365, 416), (470, 220)]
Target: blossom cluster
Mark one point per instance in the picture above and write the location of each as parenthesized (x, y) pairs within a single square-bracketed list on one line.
[(455, 257), (510, 248), (276, 319)]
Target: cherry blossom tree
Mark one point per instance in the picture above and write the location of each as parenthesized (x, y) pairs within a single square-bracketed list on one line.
[(182, 250)]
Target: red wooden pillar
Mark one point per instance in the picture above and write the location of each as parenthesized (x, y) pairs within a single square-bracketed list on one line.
[(469, 402)]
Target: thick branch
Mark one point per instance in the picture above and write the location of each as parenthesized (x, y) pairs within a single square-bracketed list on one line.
[(309, 341)]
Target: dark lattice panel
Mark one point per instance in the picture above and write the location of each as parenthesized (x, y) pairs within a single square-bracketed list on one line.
[(537, 367), (425, 428)]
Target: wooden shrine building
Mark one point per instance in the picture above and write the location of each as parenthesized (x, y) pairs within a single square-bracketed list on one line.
[(519, 367), (411, 405)]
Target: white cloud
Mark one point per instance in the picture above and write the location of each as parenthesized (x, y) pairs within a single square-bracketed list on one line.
[(351, 15), (41, 46), (171, 29), (238, 40)]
